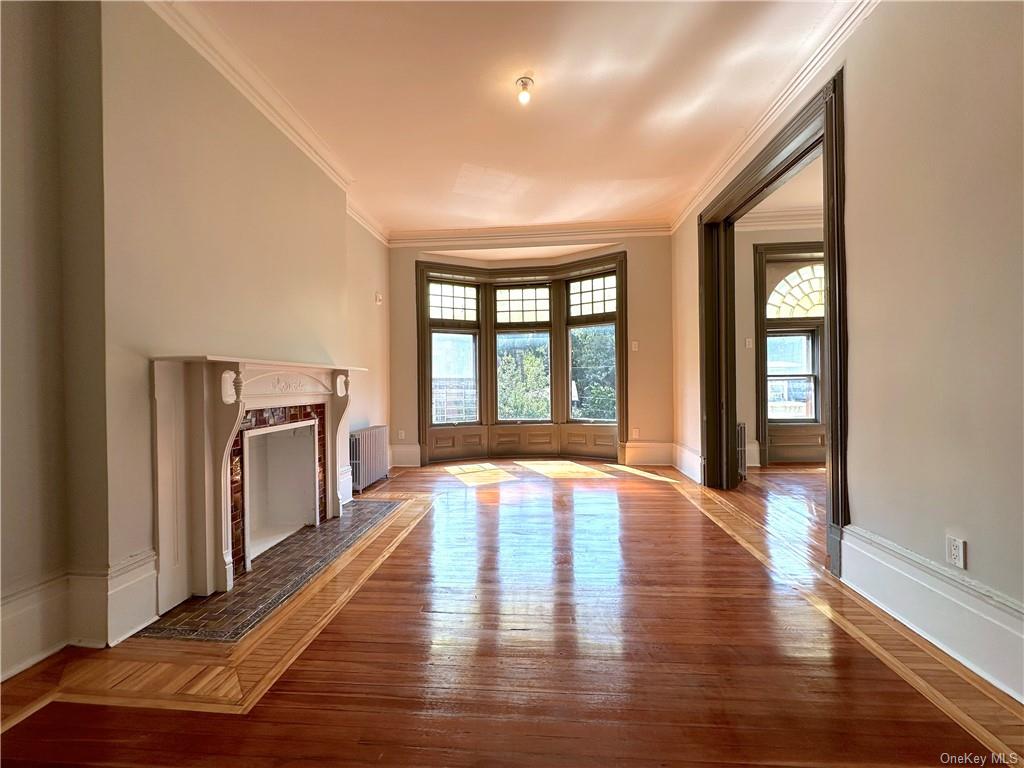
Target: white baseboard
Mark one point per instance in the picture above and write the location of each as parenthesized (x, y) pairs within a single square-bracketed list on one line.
[(687, 461), (131, 596), (650, 453), (980, 627), (345, 484), (87, 609), (403, 455), (33, 624)]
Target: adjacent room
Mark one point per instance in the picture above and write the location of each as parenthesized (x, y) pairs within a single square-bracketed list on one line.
[(515, 383)]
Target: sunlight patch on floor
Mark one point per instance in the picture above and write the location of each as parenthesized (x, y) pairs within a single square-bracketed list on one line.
[(472, 475), (559, 470), (641, 473)]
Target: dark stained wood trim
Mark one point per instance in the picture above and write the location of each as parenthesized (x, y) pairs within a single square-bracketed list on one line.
[(817, 127), (490, 279)]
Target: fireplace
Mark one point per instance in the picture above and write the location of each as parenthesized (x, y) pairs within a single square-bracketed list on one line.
[(221, 427), (278, 478)]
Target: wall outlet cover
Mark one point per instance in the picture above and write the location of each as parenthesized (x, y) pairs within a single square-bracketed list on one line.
[(635, 432), (956, 552), (401, 434)]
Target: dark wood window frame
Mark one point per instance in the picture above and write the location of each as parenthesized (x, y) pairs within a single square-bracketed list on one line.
[(557, 277), (816, 128), (779, 253)]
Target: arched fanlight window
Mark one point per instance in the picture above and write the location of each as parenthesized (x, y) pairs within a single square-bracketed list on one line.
[(801, 293)]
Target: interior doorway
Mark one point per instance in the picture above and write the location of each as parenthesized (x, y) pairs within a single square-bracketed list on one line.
[(773, 322)]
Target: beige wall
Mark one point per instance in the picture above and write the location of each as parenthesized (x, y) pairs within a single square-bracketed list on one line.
[(746, 359), (649, 322), (221, 238), (34, 512), (366, 325), (934, 249)]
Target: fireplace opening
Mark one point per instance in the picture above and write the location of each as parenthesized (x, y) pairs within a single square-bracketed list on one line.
[(281, 484)]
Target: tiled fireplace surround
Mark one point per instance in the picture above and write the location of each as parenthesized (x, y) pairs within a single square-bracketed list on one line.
[(256, 418), (203, 406)]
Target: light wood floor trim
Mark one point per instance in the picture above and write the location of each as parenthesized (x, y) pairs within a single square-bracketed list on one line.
[(988, 714), (207, 676)]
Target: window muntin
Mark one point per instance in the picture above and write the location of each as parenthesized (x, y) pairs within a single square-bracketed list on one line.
[(523, 305), (592, 296), (592, 375), (524, 375), (454, 385), (452, 301), (801, 293), (792, 376)]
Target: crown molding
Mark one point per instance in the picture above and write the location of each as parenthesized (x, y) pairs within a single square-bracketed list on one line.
[(368, 223), (197, 30), (858, 11), (548, 234), (784, 218), (189, 22)]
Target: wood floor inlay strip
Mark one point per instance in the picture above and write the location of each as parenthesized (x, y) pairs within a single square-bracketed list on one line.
[(216, 676)]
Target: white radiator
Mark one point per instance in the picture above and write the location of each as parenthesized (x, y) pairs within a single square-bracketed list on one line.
[(741, 448), (368, 454)]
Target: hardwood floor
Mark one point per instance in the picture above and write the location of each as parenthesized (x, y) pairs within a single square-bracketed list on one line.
[(572, 615), (791, 501)]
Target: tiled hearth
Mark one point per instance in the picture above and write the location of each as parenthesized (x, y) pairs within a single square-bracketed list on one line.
[(277, 574)]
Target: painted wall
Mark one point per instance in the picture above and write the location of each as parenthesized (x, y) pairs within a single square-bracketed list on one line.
[(222, 238), (34, 521), (934, 239), (648, 319), (746, 359)]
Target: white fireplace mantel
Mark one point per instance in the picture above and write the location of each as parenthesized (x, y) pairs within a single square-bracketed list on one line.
[(198, 405)]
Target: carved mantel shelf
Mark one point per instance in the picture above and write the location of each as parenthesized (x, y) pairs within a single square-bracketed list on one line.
[(198, 405)]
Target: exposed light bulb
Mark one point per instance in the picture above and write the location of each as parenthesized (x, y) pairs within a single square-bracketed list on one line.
[(524, 84)]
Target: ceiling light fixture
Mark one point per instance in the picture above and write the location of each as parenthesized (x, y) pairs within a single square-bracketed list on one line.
[(523, 84)]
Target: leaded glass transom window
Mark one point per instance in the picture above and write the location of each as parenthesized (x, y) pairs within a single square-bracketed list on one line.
[(451, 301), (592, 296), (801, 293), (523, 305)]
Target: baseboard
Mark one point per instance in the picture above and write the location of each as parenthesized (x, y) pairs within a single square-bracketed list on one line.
[(649, 453), (978, 626), (345, 484), (33, 624), (687, 461), (87, 609), (131, 596), (403, 455)]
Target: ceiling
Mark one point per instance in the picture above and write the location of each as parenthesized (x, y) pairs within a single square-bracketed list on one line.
[(803, 191), (635, 105)]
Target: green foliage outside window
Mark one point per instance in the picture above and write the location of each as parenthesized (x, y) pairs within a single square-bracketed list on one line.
[(592, 372)]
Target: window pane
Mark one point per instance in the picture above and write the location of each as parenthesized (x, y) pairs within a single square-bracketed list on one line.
[(452, 302), (592, 296), (524, 376), (791, 397), (523, 305), (454, 377), (801, 293), (790, 353), (592, 372)]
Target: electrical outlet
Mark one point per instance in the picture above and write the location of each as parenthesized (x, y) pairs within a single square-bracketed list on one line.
[(956, 552), (636, 433), (749, 343), (401, 434), (635, 346)]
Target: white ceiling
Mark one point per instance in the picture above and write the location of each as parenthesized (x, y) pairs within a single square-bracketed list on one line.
[(635, 105), (803, 191)]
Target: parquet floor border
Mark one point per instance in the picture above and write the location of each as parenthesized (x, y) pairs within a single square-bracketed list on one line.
[(987, 713), (209, 676)]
